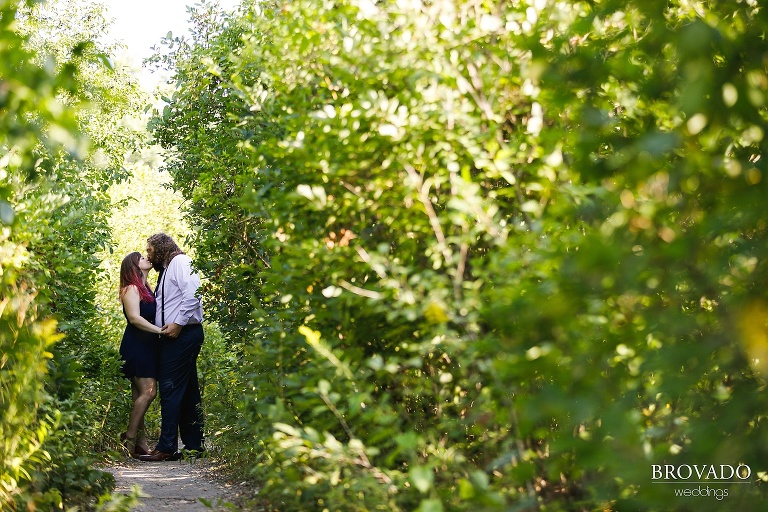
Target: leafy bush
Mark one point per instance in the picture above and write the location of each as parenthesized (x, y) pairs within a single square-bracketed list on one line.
[(53, 210), (483, 257)]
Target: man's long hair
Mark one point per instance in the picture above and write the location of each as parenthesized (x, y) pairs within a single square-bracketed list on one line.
[(165, 249)]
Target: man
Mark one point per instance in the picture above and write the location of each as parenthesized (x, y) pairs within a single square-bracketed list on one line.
[(180, 315)]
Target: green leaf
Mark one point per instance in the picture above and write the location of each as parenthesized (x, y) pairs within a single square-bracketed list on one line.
[(422, 477), (430, 505), (7, 214)]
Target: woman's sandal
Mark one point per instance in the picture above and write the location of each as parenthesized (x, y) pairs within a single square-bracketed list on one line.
[(129, 443), (139, 436)]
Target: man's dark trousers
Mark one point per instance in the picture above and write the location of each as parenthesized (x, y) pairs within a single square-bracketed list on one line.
[(180, 402)]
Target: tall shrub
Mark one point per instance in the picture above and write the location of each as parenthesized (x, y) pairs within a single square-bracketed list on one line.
[(508, 256), (202, 137), (30, 110), (58, 97)]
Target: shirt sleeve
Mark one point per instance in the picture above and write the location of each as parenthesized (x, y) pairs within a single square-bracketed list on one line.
[(188, 284)]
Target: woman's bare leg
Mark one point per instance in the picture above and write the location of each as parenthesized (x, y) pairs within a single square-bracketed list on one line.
[(143, 391)]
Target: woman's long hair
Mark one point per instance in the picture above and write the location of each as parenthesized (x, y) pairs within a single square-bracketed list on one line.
[(130, 274)]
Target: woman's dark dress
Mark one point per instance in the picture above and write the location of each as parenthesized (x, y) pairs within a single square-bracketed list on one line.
[(140, 349)]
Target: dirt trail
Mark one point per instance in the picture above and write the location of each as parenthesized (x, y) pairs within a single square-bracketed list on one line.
[(176, 486)]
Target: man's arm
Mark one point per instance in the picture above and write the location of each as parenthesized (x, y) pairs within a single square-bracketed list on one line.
[(188, 283)]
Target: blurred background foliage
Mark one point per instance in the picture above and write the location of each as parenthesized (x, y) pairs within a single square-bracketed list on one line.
[(480, 255), (458, 255)]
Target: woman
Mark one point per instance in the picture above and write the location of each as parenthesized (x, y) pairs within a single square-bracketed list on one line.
[(139, 348)]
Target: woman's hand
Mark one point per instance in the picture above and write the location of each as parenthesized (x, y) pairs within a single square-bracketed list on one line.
[(172, 330)]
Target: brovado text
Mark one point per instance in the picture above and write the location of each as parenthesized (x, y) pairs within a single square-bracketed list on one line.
[(683, 472)]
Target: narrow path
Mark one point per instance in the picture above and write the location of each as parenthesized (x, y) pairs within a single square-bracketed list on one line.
[(176, 486)]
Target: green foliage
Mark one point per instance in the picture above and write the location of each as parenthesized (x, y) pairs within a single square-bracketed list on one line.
[(62, 97), (119, 502), (25, 339), (199, 129), (29, 108), (482, 257)]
